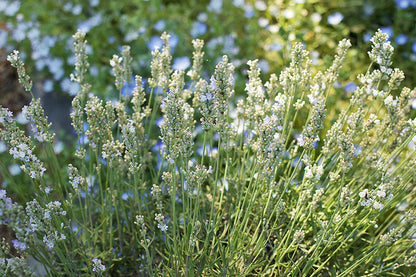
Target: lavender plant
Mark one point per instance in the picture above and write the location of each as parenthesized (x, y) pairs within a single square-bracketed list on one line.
[(279, 196)]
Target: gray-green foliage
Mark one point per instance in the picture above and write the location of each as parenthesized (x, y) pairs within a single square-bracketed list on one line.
[(273, 194)]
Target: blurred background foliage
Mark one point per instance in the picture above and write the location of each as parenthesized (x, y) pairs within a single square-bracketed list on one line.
[(242, 29)]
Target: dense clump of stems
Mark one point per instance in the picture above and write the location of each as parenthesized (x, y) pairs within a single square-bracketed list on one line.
[(260, 189)]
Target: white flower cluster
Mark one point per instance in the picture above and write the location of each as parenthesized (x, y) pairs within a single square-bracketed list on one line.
[(161, 65), (280, 100), (298, 236), (391, 102), (101, 119), (371, 122), (74, 178), (6, 116), (132, 144), (310, 133), (39, 220), (382, 52), (375, 198), (176, 128), (215, 111), (31, 164), (314, 172), (13, 57), (370, 84), (270, 144), (115, 63), (112, 151), (39, 122), (255, 93), (24, 79), (51, 238), (81, 64), (160, 219), (195, 176), (97, 266), (316, 90)]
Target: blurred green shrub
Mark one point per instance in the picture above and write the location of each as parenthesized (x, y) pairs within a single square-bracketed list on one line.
[(241, 29)]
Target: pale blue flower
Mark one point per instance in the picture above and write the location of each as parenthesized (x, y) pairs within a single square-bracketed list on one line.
[(3, 5), (96, 19), (126, 195), (14, 169), (159, 121), (39, 63), (94, 3), (71, 60), (248, 11), (181, 63), (224, 182), (215, 6), (19, 33), (401, 39), (276, 47), (70, 87), (12, 8), (77, 9), (94, 70), (264, 66), (19, 245), (402, 4), (173, 41), (128, 87), (75, 228), (367, 37), (198, 28), (58, 147), (87, 25), (387, 30), (33, 34), (414, 47), (50, 41), (335, 18), (358, 150), (160, 25), (208, 150), (40, 49), (67, 7), (3, 146), (55, 66), (297, 163), (238, 3), (350, 87), (131, 35), (84, 26), (48, 85), (155, 43)]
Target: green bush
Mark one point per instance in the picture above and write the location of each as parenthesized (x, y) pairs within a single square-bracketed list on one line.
[(261, 189)]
